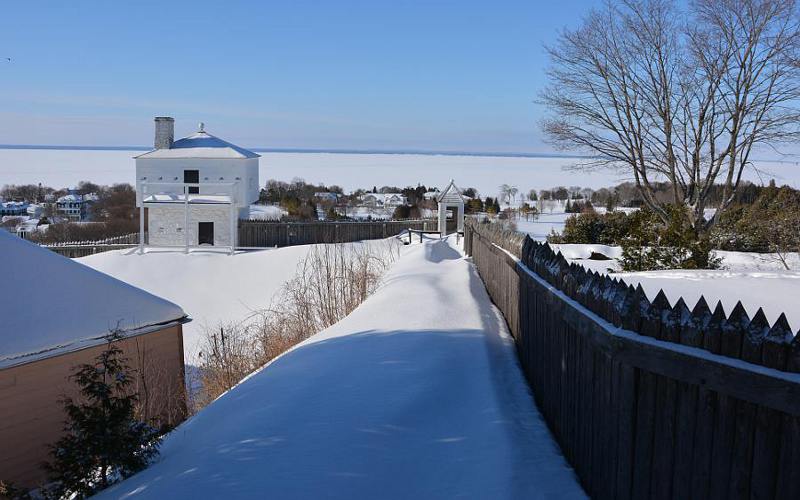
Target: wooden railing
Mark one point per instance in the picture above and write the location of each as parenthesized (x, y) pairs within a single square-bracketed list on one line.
[(649, 400)]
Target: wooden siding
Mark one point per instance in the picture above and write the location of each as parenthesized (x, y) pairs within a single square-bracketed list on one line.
[(31, 415)]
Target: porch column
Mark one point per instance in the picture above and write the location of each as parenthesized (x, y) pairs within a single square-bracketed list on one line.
[(233, 228), (141, 219), (442, 219), (185, 219)]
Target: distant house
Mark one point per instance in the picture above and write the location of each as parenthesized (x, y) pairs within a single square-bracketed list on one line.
[(327, 196), (193, 191), (46, 332), (372, 200), (29, 226), (73, 206), (393, 200), (383, 200), (13, 208)]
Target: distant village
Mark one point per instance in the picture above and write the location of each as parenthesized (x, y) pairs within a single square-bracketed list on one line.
[(89, 211)]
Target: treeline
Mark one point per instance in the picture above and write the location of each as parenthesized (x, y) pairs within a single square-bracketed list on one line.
[(113, 213), (626, 194), (763, 219), (299, 199)]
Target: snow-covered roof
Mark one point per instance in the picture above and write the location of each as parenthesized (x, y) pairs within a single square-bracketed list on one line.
[(28, 225), (450, 194), (200, 145), (70, 198), (181, 198), (42, 318), (14, 204)]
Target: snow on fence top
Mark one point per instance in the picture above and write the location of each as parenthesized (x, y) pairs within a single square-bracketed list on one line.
[(51, 304), (736, 336), (125, 239)]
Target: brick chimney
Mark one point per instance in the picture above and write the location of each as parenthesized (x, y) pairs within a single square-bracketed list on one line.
[(165, 132)]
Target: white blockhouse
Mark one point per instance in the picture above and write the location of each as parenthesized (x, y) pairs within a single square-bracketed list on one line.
[(450, 198), (193, 191)]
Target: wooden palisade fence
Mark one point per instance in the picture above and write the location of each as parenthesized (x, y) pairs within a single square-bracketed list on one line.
[(262, 234), (648, 400), (75, 249), (258, 233)]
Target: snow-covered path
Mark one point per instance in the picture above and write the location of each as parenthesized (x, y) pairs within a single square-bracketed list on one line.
[(416, 394)]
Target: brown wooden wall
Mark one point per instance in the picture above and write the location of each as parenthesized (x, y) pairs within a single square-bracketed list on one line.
[(265, 234), (31, 416), (649, 400), (255, 233)]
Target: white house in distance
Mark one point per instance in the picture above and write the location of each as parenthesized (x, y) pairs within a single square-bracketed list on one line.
[(383, 200), (74, 206), (193, 191)]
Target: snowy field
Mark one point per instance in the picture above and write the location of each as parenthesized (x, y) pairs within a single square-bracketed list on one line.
[(541, 227), (267, 212), (212, 287), (758, 280), (416, 394), (60, 168)]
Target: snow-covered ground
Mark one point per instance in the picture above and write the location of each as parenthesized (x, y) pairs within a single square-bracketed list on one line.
[(267, 212), (367, 213), (776, 292), (758, 280), (541, 227), (550, 221), (416, 394), (211, 286), (61, 168)]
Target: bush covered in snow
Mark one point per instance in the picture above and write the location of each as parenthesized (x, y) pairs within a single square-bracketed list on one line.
[(769, 224), (594, 228), (648, 243), (651, 245)]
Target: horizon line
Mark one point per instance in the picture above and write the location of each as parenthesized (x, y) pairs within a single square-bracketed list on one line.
[(503, 154), (423, 152)]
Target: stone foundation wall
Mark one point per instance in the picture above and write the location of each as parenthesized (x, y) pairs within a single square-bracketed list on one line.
[(166, 224)]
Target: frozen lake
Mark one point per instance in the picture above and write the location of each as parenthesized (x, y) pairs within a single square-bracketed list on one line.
[(63, 168)]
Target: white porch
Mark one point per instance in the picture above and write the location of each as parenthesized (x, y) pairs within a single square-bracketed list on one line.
[(181, 215)]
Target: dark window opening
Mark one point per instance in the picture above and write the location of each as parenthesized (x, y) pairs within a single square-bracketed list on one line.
[(192, 177), (205, 233)]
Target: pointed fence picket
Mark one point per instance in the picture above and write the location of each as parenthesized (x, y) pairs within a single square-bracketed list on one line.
[(648, 399)]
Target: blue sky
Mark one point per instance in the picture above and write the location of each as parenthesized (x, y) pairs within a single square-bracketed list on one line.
[(435, 75)]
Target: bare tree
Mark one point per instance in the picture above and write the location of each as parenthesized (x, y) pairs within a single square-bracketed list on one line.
[(503, 193), (682, 95), (507, 193)]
